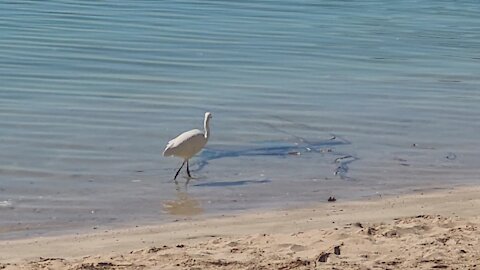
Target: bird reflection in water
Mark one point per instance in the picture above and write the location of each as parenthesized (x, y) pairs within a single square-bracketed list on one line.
[(184, 204)]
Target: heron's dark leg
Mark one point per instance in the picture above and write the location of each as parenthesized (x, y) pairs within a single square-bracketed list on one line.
[(179, 170), (188, 170)]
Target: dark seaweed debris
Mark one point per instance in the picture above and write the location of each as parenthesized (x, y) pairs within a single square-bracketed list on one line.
[(342, 165), (292, 147), (285, 149)]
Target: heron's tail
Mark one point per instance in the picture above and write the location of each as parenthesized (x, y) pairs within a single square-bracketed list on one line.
[(168, 150)]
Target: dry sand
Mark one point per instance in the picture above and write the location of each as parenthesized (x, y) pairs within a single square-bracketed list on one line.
[(432, 230)]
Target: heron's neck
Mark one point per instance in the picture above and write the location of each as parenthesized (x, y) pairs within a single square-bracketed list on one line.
[(206, 125)]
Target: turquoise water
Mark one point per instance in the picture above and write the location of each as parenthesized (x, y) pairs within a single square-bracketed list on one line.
[(310, 99)]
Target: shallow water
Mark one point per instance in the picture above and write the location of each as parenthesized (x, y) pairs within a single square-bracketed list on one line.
[(310, 100)]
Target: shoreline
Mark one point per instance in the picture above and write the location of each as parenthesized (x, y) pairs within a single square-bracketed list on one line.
[(408, 226), (187, 213)]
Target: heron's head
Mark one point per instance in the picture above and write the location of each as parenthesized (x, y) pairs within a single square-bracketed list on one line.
[(208, 115)]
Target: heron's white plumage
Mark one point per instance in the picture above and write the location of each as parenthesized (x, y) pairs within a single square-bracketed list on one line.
[(189, 143), (186, 144)]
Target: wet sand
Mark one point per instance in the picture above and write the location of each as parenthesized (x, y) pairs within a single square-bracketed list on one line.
[(425, 230)]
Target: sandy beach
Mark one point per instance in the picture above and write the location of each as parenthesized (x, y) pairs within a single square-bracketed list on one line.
[(426, 230)]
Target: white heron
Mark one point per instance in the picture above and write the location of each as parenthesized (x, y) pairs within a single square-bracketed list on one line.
[(187, 144)]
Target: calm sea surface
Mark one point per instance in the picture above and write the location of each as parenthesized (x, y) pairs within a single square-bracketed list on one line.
[(310, 99)]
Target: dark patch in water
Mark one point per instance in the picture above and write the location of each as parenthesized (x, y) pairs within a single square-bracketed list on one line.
[(451, 156), (342, 168), (449, 81), (294, 147), (232, 183), (279, 148), (285, 149)]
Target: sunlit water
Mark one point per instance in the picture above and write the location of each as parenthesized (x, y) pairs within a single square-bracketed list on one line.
[(310, 99)]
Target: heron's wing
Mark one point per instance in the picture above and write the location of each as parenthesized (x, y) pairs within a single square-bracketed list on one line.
[(173, 143)]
